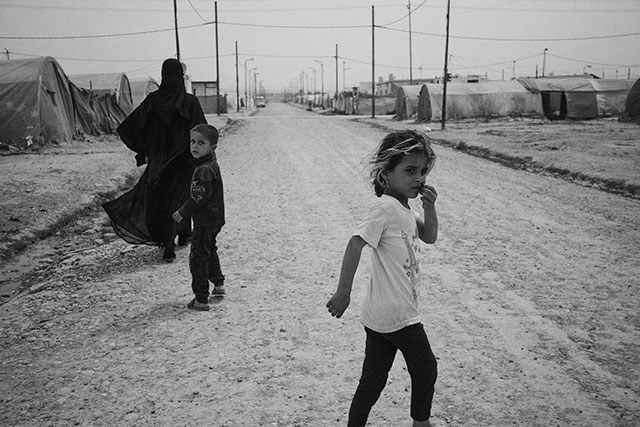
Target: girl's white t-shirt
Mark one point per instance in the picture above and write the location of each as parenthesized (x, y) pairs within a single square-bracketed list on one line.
[(391, 300)]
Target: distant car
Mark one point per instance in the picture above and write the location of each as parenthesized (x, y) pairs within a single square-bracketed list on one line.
[(260, 101)]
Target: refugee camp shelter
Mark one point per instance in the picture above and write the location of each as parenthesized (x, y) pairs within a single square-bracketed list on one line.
[(385, 104), (632, 104), (141, 88), (36, 103), (105, 98), (485, 99), (407, 100), (114, 84), (579, 97)]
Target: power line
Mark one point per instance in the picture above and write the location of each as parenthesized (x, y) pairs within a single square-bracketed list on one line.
[(612, 36), (307, 27)]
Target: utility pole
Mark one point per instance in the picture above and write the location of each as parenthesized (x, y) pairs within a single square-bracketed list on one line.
[(314, 79), (237, 81), (544, 60), (321, 82), (251, 70), (246, 100), (336, 95), (514, 69), (175, 18), (446, 71), (410, 50), (215, 4), (255, 84), (373, 63), (344, 78)]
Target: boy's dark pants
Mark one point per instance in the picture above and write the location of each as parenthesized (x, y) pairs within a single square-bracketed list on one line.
[(380, 351), (204, 263)]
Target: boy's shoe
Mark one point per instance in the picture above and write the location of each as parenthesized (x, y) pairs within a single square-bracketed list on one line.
[(169, 254), (199, 306), (218, 291)]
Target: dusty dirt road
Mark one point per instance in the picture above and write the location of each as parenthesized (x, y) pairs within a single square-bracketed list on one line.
[(530, 302)]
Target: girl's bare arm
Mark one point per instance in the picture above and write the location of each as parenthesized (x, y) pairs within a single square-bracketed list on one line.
[(340, 300), (428, 228)]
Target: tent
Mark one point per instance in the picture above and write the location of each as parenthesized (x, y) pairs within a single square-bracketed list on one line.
[(141, 88), (579, 97), (116, 84), (344, 103), (385, 104), (36, 102), (611, 95), (407, 101), (632, 104), (480, 100)]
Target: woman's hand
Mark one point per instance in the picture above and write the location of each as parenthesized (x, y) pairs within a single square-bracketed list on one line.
[(177, 217)]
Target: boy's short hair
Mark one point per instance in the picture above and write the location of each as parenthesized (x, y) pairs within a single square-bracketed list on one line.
[(208, 131)]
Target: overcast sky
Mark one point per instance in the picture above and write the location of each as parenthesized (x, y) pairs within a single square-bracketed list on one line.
[(286, 38)]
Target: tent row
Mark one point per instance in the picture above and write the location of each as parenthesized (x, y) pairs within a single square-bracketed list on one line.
[(40, 103), (576, 98)]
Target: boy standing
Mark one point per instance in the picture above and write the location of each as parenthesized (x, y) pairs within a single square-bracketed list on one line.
[(206, 206)]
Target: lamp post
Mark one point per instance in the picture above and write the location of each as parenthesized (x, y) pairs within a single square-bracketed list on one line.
[(344, 76), (321, 82), (251, 70), (255, 85), (245, 82), (314, 79)]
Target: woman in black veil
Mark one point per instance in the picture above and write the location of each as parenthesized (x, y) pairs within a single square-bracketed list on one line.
[(158, 132)]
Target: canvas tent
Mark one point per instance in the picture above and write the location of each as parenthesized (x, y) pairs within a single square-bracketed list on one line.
[(141, 88), (632, 104), (36, 102), (480, 100), (407, 101), (385, 104), (579, 97), (115, 84)]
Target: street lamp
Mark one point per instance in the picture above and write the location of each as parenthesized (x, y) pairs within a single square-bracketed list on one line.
[(344, 76), (321, 82), (245, 82), (255, 85), (250, 89), (314, 79)]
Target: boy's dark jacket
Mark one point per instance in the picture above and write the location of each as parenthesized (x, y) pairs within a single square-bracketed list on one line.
[(206, 200)]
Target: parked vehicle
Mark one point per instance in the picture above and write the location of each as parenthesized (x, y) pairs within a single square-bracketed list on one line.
[(260, 101)]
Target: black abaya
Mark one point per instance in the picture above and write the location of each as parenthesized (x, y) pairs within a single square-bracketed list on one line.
[(158, 132)]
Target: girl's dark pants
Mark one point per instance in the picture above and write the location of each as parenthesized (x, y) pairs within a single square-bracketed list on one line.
[(380, 352), (204, 262)]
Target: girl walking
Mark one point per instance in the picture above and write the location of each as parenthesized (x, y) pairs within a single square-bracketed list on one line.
[(390, 310)]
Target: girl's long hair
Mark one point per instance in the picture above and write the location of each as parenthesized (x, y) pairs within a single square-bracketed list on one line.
[(391, 151)]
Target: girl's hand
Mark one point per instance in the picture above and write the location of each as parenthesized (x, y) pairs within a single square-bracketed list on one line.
[(428, 195), (338, 304)]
